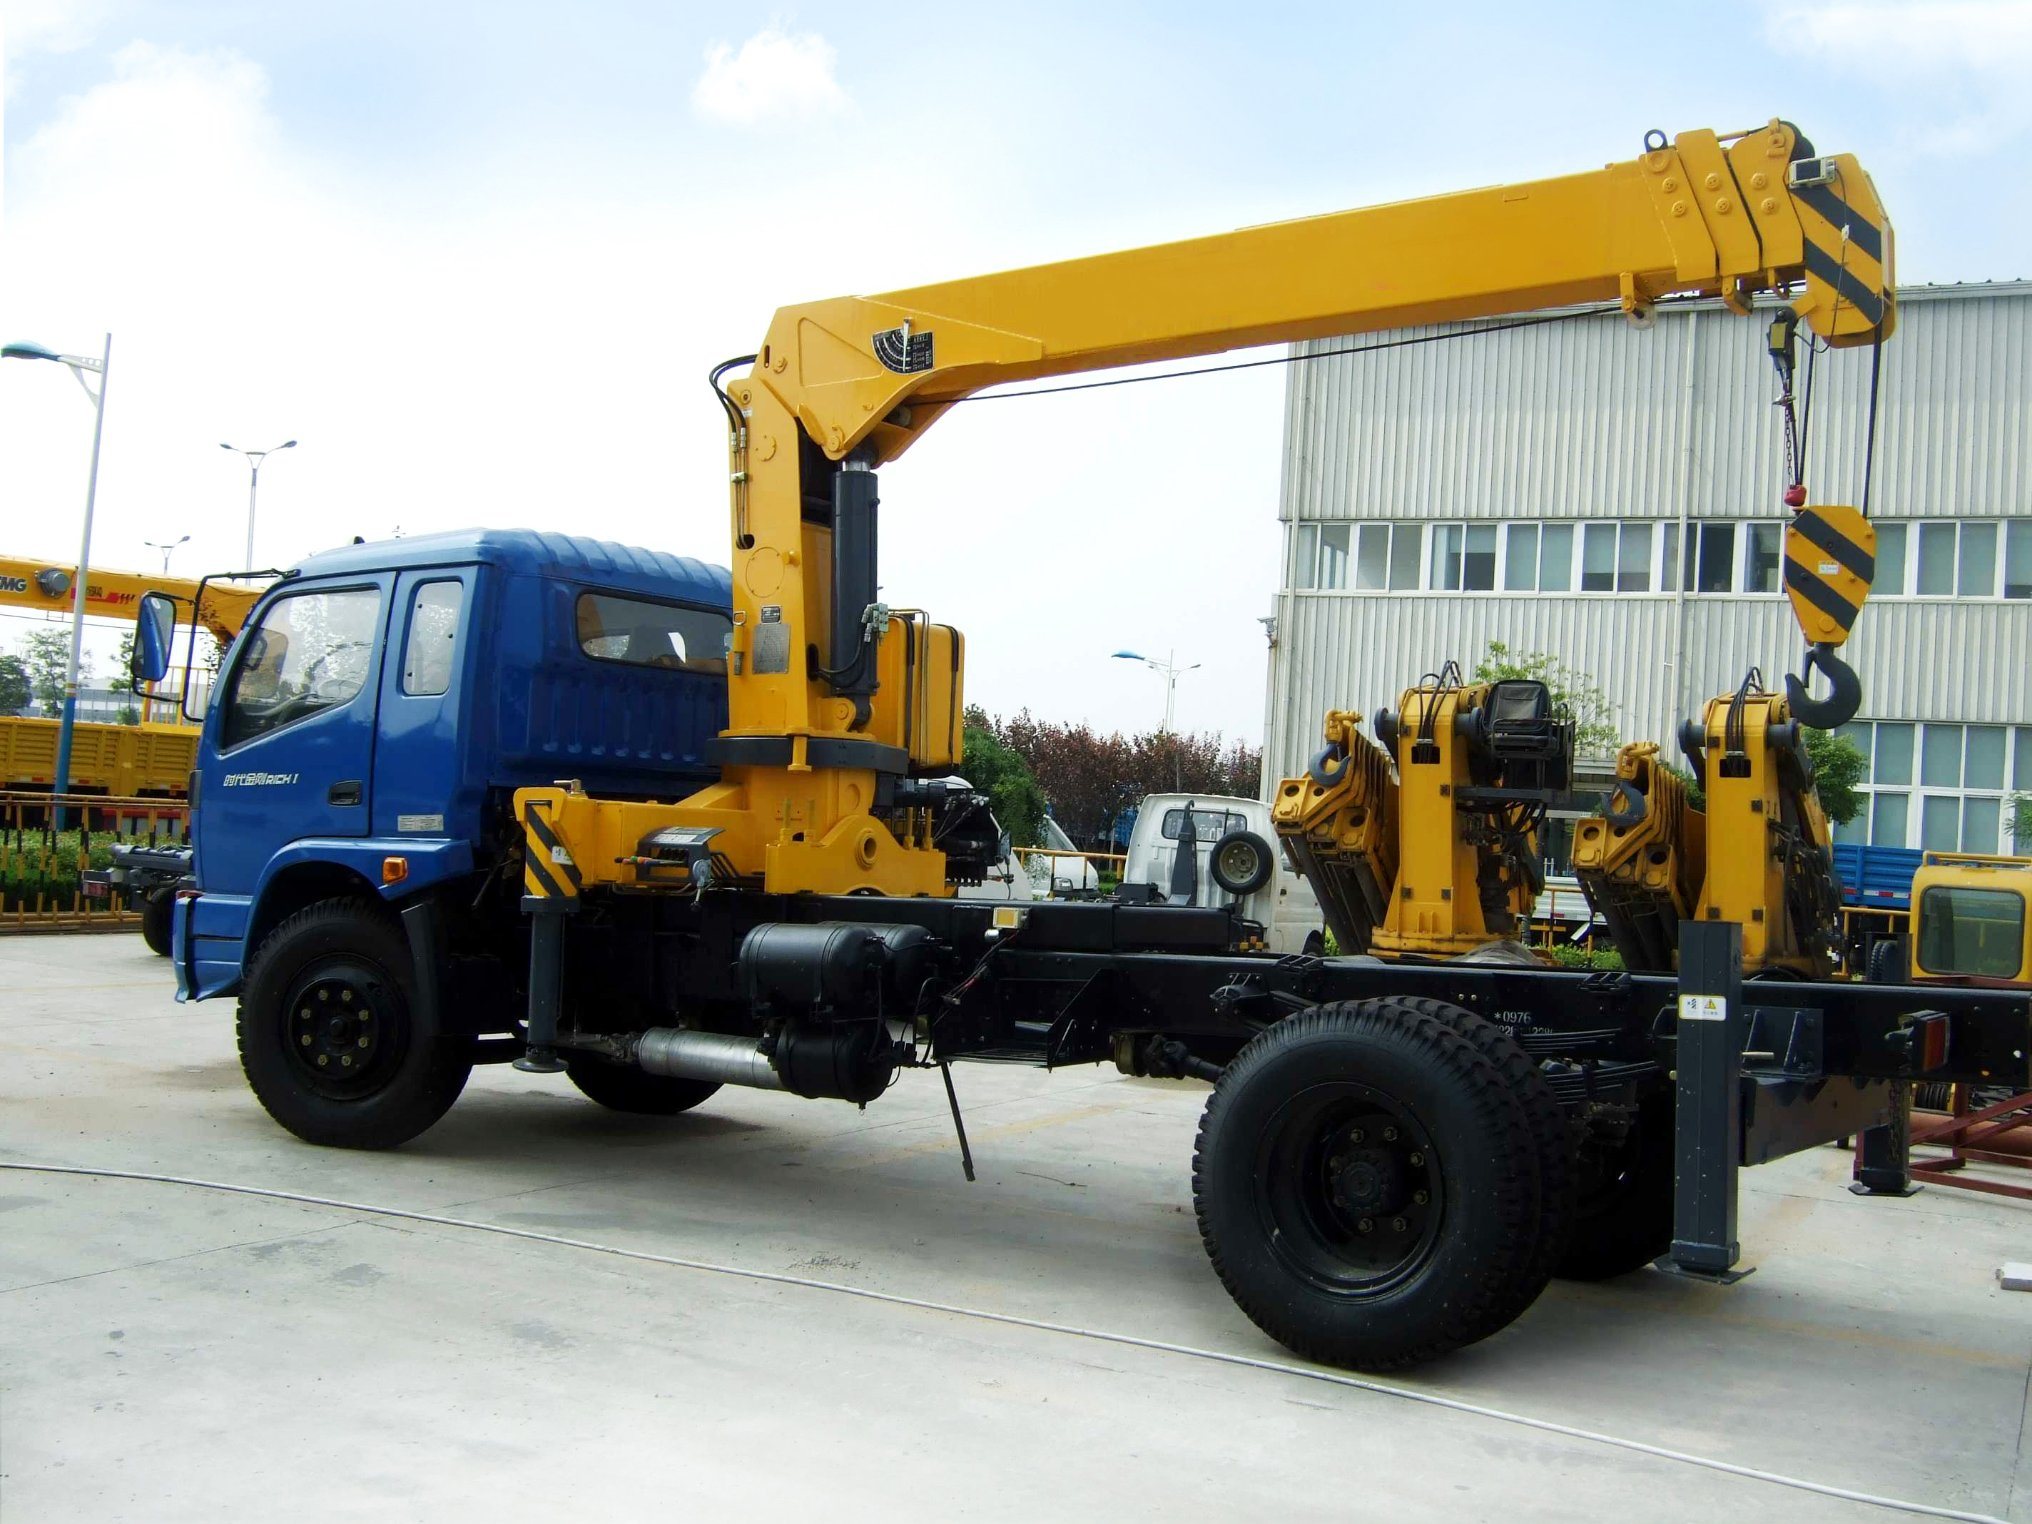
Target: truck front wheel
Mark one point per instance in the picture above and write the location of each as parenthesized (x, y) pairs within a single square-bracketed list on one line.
[(1367, 1186), (329, 1036), (156, 907)]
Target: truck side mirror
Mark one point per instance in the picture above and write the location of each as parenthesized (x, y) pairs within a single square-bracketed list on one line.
[(154, 636)]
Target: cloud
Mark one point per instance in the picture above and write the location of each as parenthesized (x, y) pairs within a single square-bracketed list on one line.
[(773, 76), (1896, 41)]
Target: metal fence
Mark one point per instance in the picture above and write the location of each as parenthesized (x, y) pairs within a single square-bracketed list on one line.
[(43, 869)]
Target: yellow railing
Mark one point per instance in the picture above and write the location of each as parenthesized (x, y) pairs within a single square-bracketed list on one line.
[(42, 869)]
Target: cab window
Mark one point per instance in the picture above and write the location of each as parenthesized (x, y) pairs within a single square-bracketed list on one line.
[(310, 653), (432, 639), (645, 634), (1971, 931), (1207, 825)]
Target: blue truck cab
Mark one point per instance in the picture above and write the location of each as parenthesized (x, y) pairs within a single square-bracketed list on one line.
[(384, 701)]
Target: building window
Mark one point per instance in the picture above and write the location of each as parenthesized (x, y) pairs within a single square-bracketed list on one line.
[(1763, 550), (1615, 558), (1384, 557), (1964, 775), (1890, 578), (1709, 561), (1538, 558), (1464, 558), (2018, 559)]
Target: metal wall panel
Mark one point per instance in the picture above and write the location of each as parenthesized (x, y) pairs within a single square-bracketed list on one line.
[(1593, 418)]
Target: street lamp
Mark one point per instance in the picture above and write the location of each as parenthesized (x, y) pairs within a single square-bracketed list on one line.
[(166, 549), (1171, 670), (78, 365), (254, 459)]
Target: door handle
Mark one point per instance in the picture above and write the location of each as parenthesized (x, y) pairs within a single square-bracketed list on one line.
[(344, 793)]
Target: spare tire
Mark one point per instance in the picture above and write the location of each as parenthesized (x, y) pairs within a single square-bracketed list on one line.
[(1241, 862)]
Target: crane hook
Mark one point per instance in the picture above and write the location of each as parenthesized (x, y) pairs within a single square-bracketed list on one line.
[(1845, 695)]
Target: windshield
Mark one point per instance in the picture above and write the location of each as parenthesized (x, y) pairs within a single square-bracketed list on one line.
[(1971, 931)]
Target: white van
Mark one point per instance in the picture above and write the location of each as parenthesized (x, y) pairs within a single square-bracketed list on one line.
[(1251, 873)]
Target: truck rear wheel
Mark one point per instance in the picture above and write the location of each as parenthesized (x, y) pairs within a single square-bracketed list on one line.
[(329, 1037), (1623, 1210), (1550, 1132), (622, 1087), (156, 906), (1367, 1186)]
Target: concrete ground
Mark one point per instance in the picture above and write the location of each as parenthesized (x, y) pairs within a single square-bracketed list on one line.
[(170, 1353)]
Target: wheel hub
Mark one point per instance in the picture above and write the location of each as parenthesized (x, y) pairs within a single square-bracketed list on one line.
[(1368, 1181), (334, 1029)]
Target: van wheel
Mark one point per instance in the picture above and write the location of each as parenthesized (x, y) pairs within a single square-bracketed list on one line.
[(623, 1087), (1367, 1186), (155, 926), (328, 1034)]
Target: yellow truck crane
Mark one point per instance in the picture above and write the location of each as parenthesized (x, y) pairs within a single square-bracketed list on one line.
[(1386, 1166), (151, 759)]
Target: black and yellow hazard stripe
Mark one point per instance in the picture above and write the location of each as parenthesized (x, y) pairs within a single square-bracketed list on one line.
[(1847, 248), (1830, 563), (548, 871)]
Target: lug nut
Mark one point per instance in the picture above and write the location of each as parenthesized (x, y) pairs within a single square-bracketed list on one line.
[(347, 996), (324, 994), (322, 1060), (1417, 1158), (1397, 1223), (1421, 1197), (346, 1062), (1389, 1135), (363, 1042), (1366, 1225), (1354, 1135)]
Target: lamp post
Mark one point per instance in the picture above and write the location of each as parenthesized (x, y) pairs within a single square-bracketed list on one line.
[(78, 365), (254, 459), (167, 549), (1172, 672)]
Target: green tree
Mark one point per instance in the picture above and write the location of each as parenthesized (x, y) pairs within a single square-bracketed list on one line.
[(16, 689), (2021, 822), (1594, 713), (997, 771), (1838, 766), (47, 655), (123, 677)]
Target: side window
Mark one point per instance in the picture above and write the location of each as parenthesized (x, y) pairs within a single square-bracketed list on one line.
[(433, 637), (645, 634), (310, 653)]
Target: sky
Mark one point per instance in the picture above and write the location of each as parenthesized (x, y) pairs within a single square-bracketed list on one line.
[(478, 257)]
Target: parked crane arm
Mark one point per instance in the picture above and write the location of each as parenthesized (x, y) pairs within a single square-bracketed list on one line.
[(41, 586)]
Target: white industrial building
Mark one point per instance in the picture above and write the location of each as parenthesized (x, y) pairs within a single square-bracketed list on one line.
[(1610, 495)]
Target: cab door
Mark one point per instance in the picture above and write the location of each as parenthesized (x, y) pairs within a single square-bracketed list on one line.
[(421, 786), (290, 750)]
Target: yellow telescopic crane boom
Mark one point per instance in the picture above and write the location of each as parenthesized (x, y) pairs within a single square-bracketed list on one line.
[(833, 698), (46, 587)]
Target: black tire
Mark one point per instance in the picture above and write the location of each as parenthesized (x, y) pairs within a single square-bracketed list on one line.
[(334, 982), (1241, 862), (623, 1087), (156, 907), (1886, 964), (1622, 1218), (1313, 1131), (1551, 1134)]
